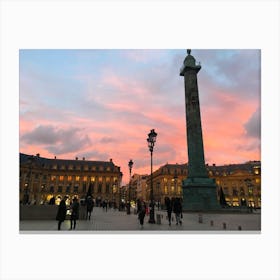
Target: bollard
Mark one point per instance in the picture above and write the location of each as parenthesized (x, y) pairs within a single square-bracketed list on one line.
[(200, 218), (224, 226), (239, 228), (158, 217), (212, 223)]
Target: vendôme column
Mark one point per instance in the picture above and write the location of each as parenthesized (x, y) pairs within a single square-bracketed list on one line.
[(199, 191)]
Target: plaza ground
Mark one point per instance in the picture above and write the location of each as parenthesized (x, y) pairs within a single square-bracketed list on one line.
[(114, 221)]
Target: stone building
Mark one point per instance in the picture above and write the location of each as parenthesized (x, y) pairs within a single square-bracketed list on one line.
[(240, 183), (42, 179)]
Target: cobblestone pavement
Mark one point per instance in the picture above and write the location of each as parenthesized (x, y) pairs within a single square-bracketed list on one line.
[(114, 221)]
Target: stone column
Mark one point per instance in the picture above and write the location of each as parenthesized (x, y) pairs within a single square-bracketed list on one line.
[(199, 191)]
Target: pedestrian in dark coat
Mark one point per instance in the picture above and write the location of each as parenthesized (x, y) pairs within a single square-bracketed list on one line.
[(177, 209), (168, 206), (141, 210), (61, 213), (89, 204), (75, 213)]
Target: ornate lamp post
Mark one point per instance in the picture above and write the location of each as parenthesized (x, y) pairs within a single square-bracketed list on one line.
[(130, 164), (151, 142)]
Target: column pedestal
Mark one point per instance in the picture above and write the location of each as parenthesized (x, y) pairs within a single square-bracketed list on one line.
[(200, 194)]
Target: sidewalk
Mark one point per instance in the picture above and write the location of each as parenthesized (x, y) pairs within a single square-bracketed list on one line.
[(114, 221)]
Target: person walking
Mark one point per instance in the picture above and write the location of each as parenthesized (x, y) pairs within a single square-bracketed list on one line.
[(75, 213), (61, 213), (177, 209), (168, 206), (89, 204), (141, 210)]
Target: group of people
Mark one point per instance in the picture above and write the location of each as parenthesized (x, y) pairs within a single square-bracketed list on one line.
[(174, 206), (74, 209)]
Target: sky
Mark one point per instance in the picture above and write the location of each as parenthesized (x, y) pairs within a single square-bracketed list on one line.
[(101, 105)]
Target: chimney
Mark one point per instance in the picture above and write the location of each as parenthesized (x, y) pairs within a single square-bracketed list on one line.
[(38, 155), (54, 157), (76, 158), (84, 158), (111, 160)]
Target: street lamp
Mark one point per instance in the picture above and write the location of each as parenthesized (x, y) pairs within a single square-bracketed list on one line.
[(151, 142), (130, 164)]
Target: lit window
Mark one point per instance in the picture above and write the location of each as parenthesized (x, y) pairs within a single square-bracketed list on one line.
[(93, 168), (70, 167), (100, 179), (92, 179), (108, 168), (69, 178), (85, 167), (61, 178), (258, 180), (53, 177), (85, 178), (107, 179), (77, 178)]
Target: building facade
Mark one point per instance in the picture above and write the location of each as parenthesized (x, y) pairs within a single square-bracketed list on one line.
[(240, 183), (42, 179)]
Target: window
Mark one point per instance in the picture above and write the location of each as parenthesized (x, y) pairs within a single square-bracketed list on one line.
[(61, 177), (99, 188), (77, 178), (76, 189), (234, 192), (165, 189), (93, 168), (250, 190), (70, 167), (51, 189), (69, 178), (92, 179), (107, 188), (53, 177), (43, 188), (68, 189), (85, 178), (59, 189), (108, 169), (85, 167), (101, 168), (100, 179)]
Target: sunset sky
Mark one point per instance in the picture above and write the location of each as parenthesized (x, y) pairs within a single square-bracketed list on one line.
[(101, 104)]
